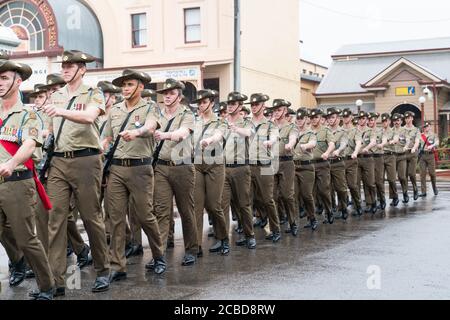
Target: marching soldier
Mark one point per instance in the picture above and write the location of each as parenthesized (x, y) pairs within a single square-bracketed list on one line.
[(174, 171), (304, 167), (76, 168), (148, 94), (366, 165), (413, 136), (378, 156), (266, 136), (222, 111), (428, 144), (321, 153), (338, 179), (351, 159), (238, 177), (400, 152), (130, 126), (209, 171), (389, 157), (284, 179), (20, 134)]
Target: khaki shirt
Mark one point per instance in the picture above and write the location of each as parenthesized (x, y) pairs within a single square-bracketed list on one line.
[(76, 136), (139, 148), (264, 131), (379, 135), (413, 135), (286, 132), (402, 139), (341, 139), (390, 136), (432, 139), (173, 150), (206, 129), (19, 124), (367, 135), (324, 138), (304, 137), (236, 146), (353, 138)]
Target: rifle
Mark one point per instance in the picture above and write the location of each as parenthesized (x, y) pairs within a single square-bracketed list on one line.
[(44, 165)]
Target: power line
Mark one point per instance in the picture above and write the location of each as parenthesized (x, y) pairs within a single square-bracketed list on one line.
[(372, 18)]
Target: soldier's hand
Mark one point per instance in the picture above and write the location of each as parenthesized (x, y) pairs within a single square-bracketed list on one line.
[(325, 156), (7, 169), (159, 135), (268, 144), (354, 155), (288, 148), (129, 135), (205, 142), (233, 127), (413, 150), (52, 111), (336, 153)]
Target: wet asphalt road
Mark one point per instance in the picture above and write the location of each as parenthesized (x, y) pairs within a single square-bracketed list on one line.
[(403, 254)]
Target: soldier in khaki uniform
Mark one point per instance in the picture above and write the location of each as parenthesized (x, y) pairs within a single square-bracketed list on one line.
[(378, 156), (20, 134), (338, 179), (148, 94), (304, 167), (428, 144), (321, 153), (400, 152), (76, 168), (174, 171), (209, 170), (266, 136), (284, 191), (238, 177), (389, 157), (132, 123), (412, 148), (366, 165), (351, 159)]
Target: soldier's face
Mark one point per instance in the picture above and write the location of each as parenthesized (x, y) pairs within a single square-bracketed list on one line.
[(409, 120), (347, 120), (204, 104), (332, 119), (279, 113), (40, 99), (233, 107), (72, 71), (372, 122), (315, 121), (426, 129), (386, 123), (398, 123), (171, 96), (362, 121), (300, 121), (257, 108), (131, 89), (6, 81)]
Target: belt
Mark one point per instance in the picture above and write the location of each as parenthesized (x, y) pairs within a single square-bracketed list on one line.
[(347, 158), (303, 163), (400, 154), (261, 164), (378, 155), (286, 158), (235, 165), (131, 162), (428, 152), (77, 154), (17, 176), (173, 163), (336, 160), (389, 153), (319, 161), (365, 156)]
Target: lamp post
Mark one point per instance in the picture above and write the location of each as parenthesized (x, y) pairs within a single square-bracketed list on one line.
[(359, 104), (422, 101)]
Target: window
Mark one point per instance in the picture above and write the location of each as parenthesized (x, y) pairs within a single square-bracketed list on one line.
[(139, 30), (192, 32), (26, 21), (304, 71)]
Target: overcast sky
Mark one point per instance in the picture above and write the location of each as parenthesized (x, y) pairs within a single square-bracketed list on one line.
[(325, 25)]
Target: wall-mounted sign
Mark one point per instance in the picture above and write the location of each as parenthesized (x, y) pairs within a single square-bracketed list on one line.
[(405, 91)]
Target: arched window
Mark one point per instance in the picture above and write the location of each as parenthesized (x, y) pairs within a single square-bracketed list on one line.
[(27, 22)]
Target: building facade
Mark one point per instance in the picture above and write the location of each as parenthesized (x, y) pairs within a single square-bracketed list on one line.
[(311, 77), (392, 77), (189, 40)]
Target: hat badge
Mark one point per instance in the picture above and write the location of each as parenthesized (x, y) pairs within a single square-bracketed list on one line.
[(83, 56), (50, 82), (200, 97), (65, 58), (169, 85), (254, 99)]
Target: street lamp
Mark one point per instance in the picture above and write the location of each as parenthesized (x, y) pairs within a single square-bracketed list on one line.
[(422, 101), (359, 104)]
